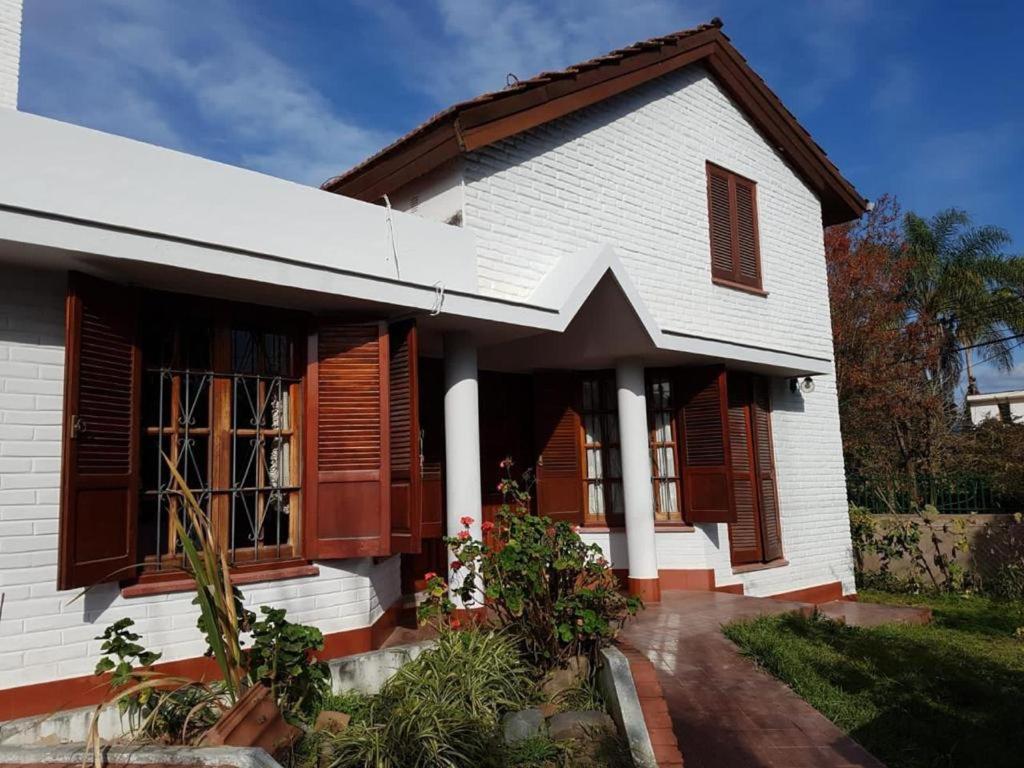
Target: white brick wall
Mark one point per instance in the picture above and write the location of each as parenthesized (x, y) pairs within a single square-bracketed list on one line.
[(631, 172), (10, 51), (44, 634)]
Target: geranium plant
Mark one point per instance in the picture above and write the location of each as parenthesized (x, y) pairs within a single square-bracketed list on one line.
[(553, 590)]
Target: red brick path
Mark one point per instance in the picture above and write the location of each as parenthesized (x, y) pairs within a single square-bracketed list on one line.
[(725, 712), (655, 709)]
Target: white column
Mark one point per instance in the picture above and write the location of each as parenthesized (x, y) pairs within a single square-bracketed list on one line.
[(462, 440), (636, 480)]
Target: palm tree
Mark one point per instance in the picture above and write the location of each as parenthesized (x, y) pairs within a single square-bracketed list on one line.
[(966, 290)]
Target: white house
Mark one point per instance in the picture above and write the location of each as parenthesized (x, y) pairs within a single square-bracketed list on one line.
[(613, 273), (1007, 407)]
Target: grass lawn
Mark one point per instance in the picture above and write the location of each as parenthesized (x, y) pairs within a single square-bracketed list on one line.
[(948, 694)]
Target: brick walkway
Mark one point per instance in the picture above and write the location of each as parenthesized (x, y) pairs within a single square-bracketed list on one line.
[(726, 713)]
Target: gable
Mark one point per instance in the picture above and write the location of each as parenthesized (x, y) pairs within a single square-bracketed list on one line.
[(496, 116)]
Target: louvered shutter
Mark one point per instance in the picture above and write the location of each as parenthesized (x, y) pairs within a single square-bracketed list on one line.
[(760, 415), (348, 473), (406, 528), (431, 387), (720, 220), (100, 471), (745, 531), (707, 491), (557, 437), (748, 265)]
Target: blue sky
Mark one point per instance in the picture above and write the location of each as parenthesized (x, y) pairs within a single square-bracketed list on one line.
[(924, 100)]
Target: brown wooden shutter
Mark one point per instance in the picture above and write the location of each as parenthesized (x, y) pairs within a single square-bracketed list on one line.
[(348, 483), (557, 437), (406, 520), (707, 490), (764, 455), (748, 259), (732, 217), (720, 218), (100, 470), (745, 531), (431, 387)]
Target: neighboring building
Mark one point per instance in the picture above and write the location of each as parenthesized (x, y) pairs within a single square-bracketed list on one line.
[(1007, 407), (633, 276)]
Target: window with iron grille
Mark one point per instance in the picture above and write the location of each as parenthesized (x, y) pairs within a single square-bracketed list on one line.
[(221, 400), (602, 463), (664, 449)]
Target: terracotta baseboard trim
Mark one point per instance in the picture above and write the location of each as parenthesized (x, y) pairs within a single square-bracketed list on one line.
[(732, 589), (74, 692), (702, 579), (648, 590), (654, 708), (822, 593)]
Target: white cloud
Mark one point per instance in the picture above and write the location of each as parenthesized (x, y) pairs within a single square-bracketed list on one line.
[(150, 71), (484, 40)]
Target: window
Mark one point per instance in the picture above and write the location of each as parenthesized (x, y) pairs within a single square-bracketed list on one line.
[(603, 499), (664, 449), (1005, 415), (221, 399), (732, 216)]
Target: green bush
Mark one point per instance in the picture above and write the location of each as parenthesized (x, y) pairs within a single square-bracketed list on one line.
[(281, 658), (554, 591), (443, 709)]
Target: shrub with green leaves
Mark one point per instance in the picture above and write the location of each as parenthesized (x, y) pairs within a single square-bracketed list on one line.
[(281, 658), (443, 709), (553, 590)]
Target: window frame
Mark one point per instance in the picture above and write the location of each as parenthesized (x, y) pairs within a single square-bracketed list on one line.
[(671, 412), (162, 571), (609, 519), (734, 278)]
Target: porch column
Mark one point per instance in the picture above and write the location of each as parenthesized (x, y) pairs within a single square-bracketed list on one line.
[(636, 480), (462, 442)]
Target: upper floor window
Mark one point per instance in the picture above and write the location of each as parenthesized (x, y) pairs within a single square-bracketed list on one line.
[(732, 216)]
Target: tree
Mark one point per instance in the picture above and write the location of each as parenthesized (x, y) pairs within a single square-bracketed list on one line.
[(963, 288), (894, 416)]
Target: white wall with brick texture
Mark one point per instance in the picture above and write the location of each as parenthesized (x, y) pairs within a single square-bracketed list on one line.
[(630, 172), (10, 51), (47, 635)]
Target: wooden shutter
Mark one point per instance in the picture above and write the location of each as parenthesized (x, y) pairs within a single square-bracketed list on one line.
[(745, 531), (707, 490), (348, 484), (557, 437), (431, 387), (732, 216), (748, 259), (406, 520), (764, 456), (720, 219), (100, 470)]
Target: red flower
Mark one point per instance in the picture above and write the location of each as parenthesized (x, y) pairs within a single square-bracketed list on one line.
[(429, 576), (487, 526), (463, 535), (506, 462), (455, 623), (456, 564), (466, 521)]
